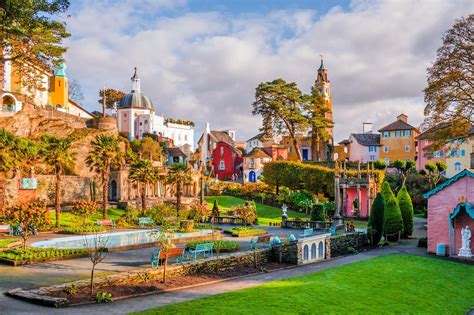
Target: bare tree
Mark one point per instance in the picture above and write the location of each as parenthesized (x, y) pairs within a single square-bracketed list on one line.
[(97, 250), (75, 91), (164, 238)]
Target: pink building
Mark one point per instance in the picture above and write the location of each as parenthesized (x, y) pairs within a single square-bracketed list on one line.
[(425, 156), (364, 147), (450, 208)]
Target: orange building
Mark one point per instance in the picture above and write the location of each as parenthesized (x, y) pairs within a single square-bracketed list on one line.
[(398, 140)]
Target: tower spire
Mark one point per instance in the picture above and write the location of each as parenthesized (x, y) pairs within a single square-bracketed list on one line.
[(321, 67), (135, 82)]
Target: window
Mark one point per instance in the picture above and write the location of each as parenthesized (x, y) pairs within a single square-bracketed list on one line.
[(385, 149), (463, 152), (222, 151), (407, 160), (387, 160), (146, 121), (386, 134), (221, 165), (440, 153), (407, 133), (124, 114), (345, 149), (407, 148), (398, 133), (185, 137), (372, 157), (290, 149), (141, 123), (457, 166), (372, 148), (252, 163)]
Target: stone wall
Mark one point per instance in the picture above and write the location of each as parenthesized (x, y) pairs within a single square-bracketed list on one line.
[(303, 250), (74, 188), (347, 244), (286, 253)]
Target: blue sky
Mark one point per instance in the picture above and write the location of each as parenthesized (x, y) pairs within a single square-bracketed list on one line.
[(201, 60)]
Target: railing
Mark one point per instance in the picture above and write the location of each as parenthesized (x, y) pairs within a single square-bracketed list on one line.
[(300, 224), (226, 220)]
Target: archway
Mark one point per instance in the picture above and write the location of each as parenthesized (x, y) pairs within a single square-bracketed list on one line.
[(313, 251), (321, 250), (305, 252), (252, 177), (9, 103), (113, 190)]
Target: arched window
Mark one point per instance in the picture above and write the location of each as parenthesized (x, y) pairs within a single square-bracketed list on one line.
[(457, 166), (221, 165), (313, 251), (305, 252), (321, 250)]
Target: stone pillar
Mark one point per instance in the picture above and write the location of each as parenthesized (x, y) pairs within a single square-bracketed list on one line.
[(344, 198)]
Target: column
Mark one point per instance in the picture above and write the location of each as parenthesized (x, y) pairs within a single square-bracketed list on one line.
[(359, 205)]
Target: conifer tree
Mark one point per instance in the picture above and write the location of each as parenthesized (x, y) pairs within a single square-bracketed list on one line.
[(393, 222), (376, 219), (406, 208), (387, 192)]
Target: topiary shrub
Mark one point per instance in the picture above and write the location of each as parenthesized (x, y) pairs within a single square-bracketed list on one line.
[(423, 242), (387, 192), (393, 222), (406, 208), (376, 220), (317, 214)]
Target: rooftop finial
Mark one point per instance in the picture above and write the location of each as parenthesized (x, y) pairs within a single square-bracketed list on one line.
[(321, 67), (135, 82), (135, 75)]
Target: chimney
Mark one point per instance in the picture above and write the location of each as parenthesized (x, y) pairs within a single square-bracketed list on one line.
[(403, 117), (367, 127)]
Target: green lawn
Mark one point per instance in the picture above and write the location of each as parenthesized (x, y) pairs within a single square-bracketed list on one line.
[(266, 214), (387, 284), (67, 219)]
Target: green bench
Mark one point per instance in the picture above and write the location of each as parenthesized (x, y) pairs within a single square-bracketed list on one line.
[(204, 249), (145, 221), (307, 233)]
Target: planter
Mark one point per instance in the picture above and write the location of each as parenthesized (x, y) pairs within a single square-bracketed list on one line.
[(15, 263)]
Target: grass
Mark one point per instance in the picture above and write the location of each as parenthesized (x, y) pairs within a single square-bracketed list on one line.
[(38, 254), (383, 285), (266, 214), (7, 241), (68, 219), (220, 246), (243, 231)]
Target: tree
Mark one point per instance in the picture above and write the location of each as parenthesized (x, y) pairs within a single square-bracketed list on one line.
[(178, 175), (30, 153), (112, 97), (201, 210), (281, 106), (317, 111), (9, 155), (404, 168), (387, 192), (97, 250), (164, 238), (393, 222), (435, 171), (58, 155), (142, 172), (148, 149), (104, 156), (375, 226), (246, 212), (75, 91), (406, 208), (449, 94), (84, 209), (31, 34), (28, 216)]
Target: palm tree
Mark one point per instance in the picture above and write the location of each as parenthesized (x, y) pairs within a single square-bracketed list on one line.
[(179, 175), (104, 156), (141, 173), (57, 155)]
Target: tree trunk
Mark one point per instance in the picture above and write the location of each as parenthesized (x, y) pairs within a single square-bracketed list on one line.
[(58, 197), (143, 198), (201, 198), (314, 145), (92, 279), (178, 197), (164, 267), (105, 190), (2, 73), (297, 150)]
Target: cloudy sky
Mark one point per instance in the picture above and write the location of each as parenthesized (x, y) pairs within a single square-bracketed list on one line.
[(202, 59)]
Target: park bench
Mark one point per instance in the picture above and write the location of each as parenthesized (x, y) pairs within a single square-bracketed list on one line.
[(145, 221), (307, 233), (332, 230), (159, 257), (262, 239), (6, 229), (106, 222), (204, 249)]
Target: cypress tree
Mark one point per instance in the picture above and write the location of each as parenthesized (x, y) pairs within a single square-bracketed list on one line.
[(387, 192), (406, 208), (393, 222), (376, 220)]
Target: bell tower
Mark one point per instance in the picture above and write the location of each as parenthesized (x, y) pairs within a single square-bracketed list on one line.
[(324, 86)]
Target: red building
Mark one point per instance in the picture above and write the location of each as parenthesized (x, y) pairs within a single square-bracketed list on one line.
[(227, 161)]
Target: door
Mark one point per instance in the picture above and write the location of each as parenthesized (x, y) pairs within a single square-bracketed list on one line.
[(113, 190), (305, 154), (252, 177)]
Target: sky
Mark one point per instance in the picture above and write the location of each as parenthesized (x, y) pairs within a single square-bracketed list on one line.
[(202, 60)]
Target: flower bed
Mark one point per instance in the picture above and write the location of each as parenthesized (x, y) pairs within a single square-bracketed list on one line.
[(202, 226), (220, 246), (7, 242), (85, 229), (243, 231), (29, 255)]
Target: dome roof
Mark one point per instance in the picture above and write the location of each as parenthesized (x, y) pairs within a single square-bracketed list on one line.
[(135, 99)]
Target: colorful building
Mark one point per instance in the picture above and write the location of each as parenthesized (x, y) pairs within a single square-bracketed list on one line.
[(227, 161), (254, 162), (398, 140), (450, 209), (364, 147), (208, 142), (425, 154), (136, 117), (52, 91), (460, 155), (258, 141)]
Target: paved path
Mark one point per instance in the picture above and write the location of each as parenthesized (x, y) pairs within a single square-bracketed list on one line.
[(58, 272)]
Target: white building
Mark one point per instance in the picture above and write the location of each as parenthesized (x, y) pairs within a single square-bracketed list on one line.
[(136, 116)]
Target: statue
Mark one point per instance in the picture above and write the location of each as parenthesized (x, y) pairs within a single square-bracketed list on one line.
[(285, 209), (465, 250)]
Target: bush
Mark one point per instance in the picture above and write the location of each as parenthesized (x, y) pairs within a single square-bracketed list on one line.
[(376, 220), (246, 212), (186, 226), (220, 246), (245, 231), (84, 209), (406, 208), (38, 254), (83, 229), (103, 297), (393, 222), (160, 212), (202, 226), (7, 241), (131, 215), (423, 242), (387, 192), (318, 213)]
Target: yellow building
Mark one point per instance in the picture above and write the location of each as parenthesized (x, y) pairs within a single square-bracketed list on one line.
[(398, 140), (461, 155), (51, 91)]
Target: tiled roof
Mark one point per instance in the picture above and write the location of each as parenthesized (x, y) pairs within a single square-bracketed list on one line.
[(174, 152), (258, 153), (397, 125), (345, 141), (221, 136), (448, 182), (367, 139)]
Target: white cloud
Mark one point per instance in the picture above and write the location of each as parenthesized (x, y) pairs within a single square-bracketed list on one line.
[(205, 66)]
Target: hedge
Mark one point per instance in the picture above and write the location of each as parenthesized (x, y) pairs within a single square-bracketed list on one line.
[(313, 178), (376, 220)]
